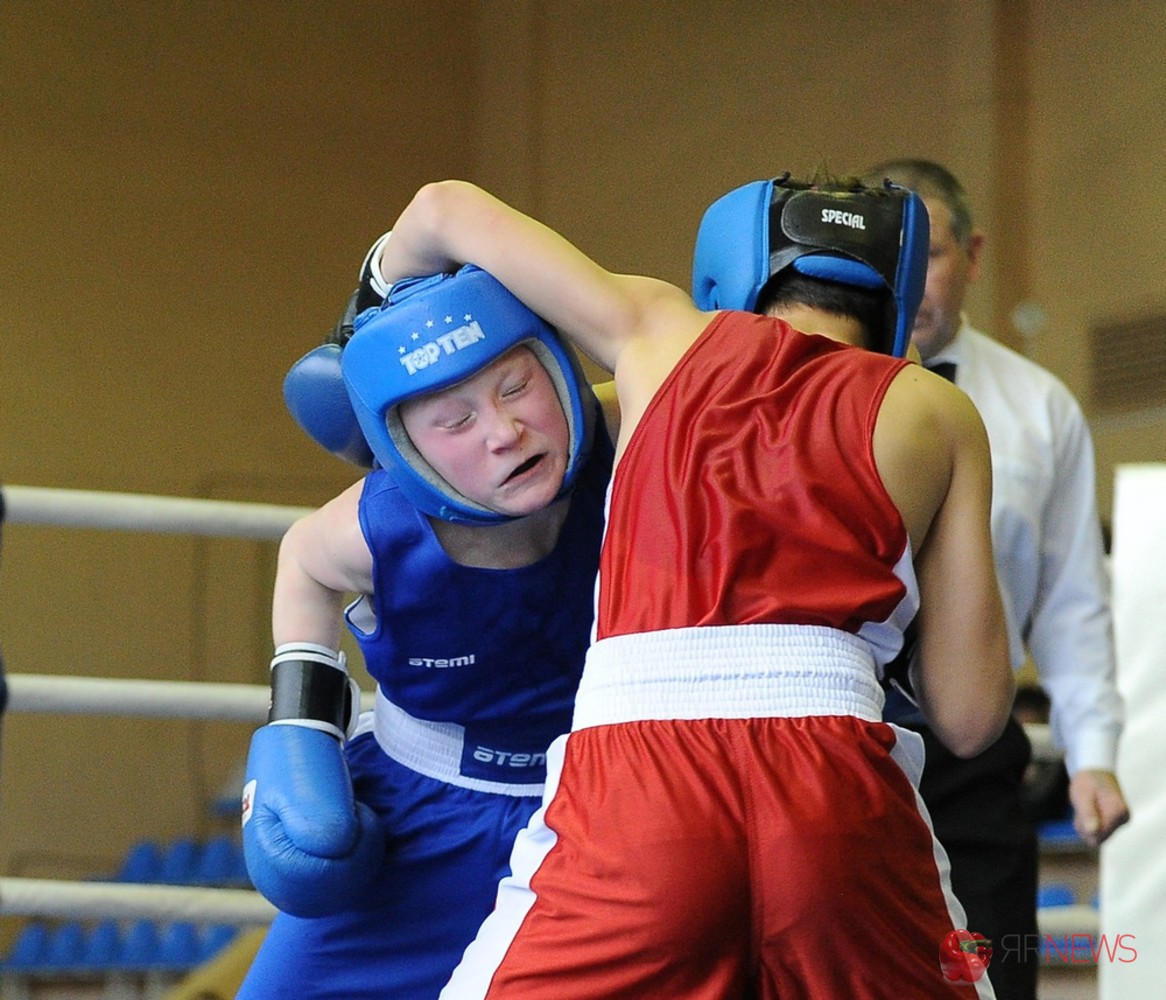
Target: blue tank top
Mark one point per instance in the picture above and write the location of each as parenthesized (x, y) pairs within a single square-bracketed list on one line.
[(496, 651)]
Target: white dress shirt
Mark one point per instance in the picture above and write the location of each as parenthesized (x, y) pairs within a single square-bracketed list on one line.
[(1048, 547)]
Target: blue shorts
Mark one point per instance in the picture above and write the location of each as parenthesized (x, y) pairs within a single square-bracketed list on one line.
[(448, 846)]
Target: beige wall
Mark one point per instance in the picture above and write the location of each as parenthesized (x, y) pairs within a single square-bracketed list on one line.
[(186, 192), (1098, 236)]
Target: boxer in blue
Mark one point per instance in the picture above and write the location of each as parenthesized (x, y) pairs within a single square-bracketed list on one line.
[(472, 548)]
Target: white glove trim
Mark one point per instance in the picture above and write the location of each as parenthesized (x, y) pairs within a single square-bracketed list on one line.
[(372, 264)]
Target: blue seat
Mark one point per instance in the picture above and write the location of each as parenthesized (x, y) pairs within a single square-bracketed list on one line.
[(102, 949), (1056, 948), (1055, 894), (30, 948), (221, 863), (178, 947), (1058, 833), (66, 947), (142, 864), (215, 939), (139, 950), (180, 862)]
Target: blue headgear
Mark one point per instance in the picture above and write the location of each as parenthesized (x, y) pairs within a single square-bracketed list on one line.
[(431, 333), (871, 239)]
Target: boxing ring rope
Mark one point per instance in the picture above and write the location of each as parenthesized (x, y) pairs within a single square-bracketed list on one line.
[(132, 697), (151, 699), (205, 700), (126, 901), (1040, 735), (199, 701), (142, 512)]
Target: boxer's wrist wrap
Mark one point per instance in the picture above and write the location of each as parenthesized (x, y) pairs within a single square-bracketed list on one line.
[(370, 270), (310, 687), (369, 294)]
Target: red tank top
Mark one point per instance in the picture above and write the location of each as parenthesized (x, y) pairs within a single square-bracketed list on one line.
[(748, 492)]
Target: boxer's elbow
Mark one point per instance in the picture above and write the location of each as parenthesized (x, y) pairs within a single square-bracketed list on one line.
[(970, 728)]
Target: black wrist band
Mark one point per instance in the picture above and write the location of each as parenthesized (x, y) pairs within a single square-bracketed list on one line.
[(307, 690)]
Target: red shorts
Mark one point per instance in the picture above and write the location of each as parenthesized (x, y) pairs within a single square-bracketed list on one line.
[(723, 858)]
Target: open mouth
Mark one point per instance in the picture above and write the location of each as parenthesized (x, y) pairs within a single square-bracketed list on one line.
[(525, 467)]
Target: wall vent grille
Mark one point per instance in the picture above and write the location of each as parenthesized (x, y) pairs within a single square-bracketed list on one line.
[(1128, 366)]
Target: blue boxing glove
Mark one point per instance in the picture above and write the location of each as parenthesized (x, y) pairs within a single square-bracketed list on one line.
[(317, 398), (311, 849), (314, 388)]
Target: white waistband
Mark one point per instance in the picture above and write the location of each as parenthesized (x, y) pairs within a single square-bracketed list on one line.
[(434, 749), (728, 671)]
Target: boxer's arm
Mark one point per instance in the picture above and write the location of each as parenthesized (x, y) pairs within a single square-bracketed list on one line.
[(451, 223), (932, 451), (609, 404), (311, 847), (323, 557)]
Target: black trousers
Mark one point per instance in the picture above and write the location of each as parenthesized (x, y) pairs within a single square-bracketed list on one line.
[(978, 815)]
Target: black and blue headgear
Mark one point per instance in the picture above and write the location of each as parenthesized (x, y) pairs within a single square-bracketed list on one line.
[(866, 238), (429, 334)]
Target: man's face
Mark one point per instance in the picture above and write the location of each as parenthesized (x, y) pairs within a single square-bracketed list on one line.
[(951, 268)]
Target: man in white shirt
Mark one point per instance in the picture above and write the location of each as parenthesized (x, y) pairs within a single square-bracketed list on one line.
[(1050, 563)]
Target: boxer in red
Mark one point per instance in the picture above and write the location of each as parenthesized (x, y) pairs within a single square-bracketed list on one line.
[(730, 817)]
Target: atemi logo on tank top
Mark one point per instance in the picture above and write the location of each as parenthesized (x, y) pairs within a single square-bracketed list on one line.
[(441, 345), (442, 663)]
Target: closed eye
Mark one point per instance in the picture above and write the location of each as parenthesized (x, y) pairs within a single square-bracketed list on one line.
[(456, 423), (514, 390)]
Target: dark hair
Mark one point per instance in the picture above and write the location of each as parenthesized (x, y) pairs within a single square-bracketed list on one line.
[(872, 308), (789, 287), (929, 180)]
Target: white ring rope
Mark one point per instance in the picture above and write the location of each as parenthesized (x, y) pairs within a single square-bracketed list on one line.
[(72, 695), (1040, 735), (78, 900), (142, 512), (66, 694), (1067, 921)]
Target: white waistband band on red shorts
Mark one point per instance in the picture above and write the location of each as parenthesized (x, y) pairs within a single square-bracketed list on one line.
[(730, 672)]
